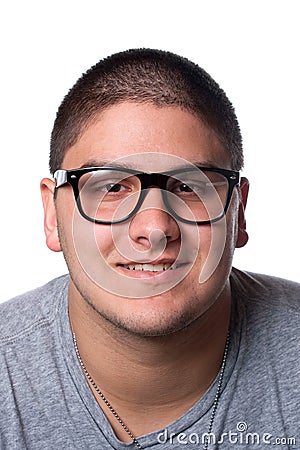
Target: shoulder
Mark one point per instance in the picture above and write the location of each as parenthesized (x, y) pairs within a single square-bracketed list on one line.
[(266, 290), (266, 332), (270, 307), (34, 309)]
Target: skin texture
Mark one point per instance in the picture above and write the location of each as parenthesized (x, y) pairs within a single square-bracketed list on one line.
[(169, 346)]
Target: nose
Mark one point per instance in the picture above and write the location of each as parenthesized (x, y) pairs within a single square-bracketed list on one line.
[(153, 225)]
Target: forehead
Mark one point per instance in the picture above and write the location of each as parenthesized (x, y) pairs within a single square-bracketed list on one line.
[(143, 136)]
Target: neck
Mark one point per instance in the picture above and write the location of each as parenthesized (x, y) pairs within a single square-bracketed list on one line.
[(150, 381)]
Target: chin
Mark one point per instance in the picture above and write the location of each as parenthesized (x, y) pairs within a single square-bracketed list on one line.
[(153, 321), (151, 329)]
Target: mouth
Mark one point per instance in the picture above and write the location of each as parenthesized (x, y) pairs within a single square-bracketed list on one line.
[(150, 267), (147, 270)]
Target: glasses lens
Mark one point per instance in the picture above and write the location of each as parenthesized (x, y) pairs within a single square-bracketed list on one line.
[(197, 195), (108, 195)]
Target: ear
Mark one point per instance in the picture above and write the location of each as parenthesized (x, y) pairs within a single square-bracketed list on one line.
[(242, 236), (50, 219)]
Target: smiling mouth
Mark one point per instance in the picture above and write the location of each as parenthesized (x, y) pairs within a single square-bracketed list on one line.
[(149, 267), (152, 267)]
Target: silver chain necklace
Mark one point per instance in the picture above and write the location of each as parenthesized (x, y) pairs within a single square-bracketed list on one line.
[(124, 426)]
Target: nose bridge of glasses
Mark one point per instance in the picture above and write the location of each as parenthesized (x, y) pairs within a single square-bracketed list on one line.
[(152, 187), (152, 199), (153, 180)]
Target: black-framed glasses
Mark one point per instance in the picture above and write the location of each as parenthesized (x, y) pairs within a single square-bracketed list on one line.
[(109, 195)]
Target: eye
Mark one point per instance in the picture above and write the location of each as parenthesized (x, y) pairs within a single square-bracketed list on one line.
[(188, 188), (108, 187), (112, 187), (196, 188)]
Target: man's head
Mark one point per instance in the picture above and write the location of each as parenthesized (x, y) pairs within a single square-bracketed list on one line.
[(146, 111), (145, 76)]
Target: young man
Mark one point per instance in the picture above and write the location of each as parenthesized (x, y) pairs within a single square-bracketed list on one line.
[(153, 340)]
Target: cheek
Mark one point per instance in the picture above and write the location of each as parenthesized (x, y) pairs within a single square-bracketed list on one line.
[(216, 247), (104, 239), (211, 249)]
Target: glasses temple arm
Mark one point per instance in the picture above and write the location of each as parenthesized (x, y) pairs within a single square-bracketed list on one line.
[(60, 177)]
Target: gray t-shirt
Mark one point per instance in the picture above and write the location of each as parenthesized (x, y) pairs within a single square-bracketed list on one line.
[(45, 402)]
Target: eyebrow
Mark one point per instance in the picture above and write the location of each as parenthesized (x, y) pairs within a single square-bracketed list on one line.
[(102, 163), (208, 164)]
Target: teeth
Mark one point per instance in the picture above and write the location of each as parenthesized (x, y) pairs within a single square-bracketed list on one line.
[(149, 267)]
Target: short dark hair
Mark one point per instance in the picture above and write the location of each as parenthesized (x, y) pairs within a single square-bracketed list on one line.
[(145, 76)]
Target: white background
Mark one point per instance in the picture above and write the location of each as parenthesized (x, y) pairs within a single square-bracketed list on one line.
[(250, 47)]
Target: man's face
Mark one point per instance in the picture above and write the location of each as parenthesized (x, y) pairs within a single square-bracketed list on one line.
[(107, 262)]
